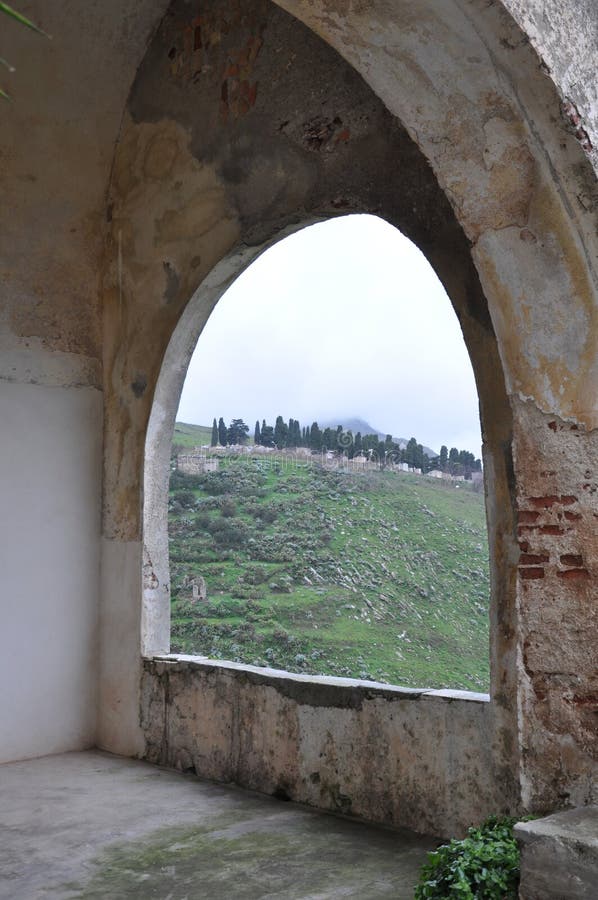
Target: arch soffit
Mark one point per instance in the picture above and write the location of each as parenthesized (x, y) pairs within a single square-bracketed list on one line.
[(477, 99)]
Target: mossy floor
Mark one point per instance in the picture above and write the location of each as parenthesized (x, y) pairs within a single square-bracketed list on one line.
[(89, 825)]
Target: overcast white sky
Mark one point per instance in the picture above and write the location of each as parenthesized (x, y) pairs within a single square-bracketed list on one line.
[(344, 318)]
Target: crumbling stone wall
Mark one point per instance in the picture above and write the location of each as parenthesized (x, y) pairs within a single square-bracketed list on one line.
[(241, 125), (470, 125), (254, 174), (398, 756)]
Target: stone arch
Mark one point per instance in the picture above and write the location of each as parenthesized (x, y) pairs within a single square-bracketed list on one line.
[(182, 344), (209, 157)]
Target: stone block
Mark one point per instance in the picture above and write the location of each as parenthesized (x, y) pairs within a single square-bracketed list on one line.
[(559, 856)]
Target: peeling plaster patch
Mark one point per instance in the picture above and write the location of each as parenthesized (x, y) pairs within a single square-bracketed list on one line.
[(160, 156), (177, 213), (546, 314), (571, 114), (558, 568), (496, 195), (31, 361)]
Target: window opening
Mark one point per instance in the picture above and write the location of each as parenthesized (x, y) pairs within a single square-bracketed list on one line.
[(326, 506)]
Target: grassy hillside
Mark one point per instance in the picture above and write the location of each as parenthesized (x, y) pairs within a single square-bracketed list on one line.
[(189, 436), (381, 576)]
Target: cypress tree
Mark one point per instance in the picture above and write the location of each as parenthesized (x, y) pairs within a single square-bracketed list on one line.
[(315, 441), (411, 453), (357, 444), (214, 439), (328, 439), (222, 432), (281, 433), (257, 435), (443, 458), (453, 460)]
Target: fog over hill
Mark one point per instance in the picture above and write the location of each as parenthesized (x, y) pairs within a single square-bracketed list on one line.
[(355, 424), (343, 317)]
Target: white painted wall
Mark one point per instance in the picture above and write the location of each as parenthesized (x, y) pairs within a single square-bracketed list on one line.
[(50, 492)]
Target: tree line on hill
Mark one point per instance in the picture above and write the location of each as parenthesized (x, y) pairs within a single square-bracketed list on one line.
[(286, 435)]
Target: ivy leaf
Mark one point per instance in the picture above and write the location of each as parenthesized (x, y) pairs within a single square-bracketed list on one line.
[(23, 20), (9, 11)]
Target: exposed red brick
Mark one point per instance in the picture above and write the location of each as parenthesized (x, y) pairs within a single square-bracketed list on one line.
[(543, 502), (533, 559), (524, 546), (526, 516), (571, 559), (586, 700), (573, 573), (571, 516), (552, 426), (551, 529), (524, 529), (536, 572), (568, 499)]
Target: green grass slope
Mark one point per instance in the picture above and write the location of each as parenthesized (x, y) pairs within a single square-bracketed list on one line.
[(189, 436), (380, 576)]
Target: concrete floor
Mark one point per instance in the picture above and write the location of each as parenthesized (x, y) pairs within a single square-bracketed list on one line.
[(91, 825)]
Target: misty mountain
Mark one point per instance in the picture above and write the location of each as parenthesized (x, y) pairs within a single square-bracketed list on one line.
[(355, 424)]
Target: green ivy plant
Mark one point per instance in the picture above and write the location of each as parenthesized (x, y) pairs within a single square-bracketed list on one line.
[(482, 866), (23, 20)]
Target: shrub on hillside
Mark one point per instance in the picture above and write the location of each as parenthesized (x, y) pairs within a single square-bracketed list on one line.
[(228, 533), (267, 513), (255, 575), (180, 480), (228, 507), (185, 498)]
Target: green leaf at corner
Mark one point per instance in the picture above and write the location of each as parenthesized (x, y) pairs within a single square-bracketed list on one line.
[(9, 11)]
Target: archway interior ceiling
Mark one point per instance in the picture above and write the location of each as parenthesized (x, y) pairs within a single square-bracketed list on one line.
[(217, 148), (241, 121)]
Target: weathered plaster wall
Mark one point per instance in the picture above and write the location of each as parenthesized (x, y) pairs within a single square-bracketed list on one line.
[(565, 36), (401, 757), (50, 465), (557, 466), (56, 151)]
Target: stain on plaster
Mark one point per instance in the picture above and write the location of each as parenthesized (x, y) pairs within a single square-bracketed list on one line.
[(373, 759)]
